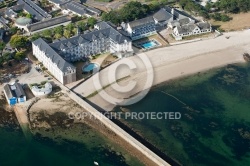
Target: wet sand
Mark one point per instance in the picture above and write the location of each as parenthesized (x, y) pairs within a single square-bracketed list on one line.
[(54, 123)]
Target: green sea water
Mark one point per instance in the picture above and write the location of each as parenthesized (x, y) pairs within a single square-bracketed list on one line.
[(215, 125), (40, 150), (214, 128)]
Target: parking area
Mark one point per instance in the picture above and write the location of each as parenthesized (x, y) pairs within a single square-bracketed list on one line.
[(34, 75)]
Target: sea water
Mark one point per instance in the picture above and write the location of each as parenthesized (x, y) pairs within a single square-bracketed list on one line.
[(16, 150), (214, 128)]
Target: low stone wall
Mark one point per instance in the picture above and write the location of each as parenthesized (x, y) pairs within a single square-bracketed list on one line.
[(115, 128)]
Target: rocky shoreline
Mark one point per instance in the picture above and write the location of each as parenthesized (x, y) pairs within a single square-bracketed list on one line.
[(8, 118), (55, 124)]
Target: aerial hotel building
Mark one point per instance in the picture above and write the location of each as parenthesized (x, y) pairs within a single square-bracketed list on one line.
[(56, 57)]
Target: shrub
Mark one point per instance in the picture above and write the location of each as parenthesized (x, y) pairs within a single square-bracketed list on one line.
[(43, 82), (221, 17)]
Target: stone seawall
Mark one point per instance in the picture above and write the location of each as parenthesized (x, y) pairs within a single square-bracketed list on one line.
[(115, 128)]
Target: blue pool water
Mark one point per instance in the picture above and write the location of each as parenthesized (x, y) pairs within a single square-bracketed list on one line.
[(149, 44), (90, 67)]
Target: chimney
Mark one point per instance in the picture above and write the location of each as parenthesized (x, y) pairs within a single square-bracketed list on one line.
[(172, 11), (78, 32)]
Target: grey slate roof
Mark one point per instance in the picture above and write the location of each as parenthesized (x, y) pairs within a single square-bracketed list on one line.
[(2, 31), (9, 12), (103, 25), (204, 25), (188, 28), (177, 13), (57, 40), (184, 21), (80, 9), (32, 8), (58, 1), (141, 22), (17, 7), (162, 15), (94, 10), (105, 32), (48, 23), (3, 20), (17, 90), (8, 91), (62, 64)]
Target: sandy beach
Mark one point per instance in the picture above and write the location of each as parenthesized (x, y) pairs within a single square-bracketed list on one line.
[(169, 63)]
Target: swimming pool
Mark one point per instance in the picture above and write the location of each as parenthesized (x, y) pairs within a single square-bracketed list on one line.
[(90, 67), (150, 44)]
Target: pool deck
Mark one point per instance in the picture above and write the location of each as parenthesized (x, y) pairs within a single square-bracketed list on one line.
[(151, 44), (90, 67), (156, 37)]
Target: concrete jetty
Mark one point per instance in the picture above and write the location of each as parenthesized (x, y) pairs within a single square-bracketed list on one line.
[(22, 117), (115, 128)]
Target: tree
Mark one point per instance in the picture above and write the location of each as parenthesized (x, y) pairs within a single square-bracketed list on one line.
[(164, 2), (74, 31), (229, 6), (153, 6), (70, 27), (47, 33), (133, 10), (58, 30), (130, 11), (221, 17), (57, 36), (6, 56), (19, 55), (67, 33), (17, 41), (34, 37), (1, 61), (91, 21), (243, 5), (208, 6), (21, 14), (204, 14), (82, 25), (112, 16), (13, 30), (225, 18), (29, 15), (2, 45)]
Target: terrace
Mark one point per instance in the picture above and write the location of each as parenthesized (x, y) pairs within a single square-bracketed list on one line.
[(150, 42)]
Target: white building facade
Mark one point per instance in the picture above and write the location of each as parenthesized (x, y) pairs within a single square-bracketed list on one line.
[(57, 66), (104, 39), (191, 29), (47, 89), (140, 28), (56, 56)]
